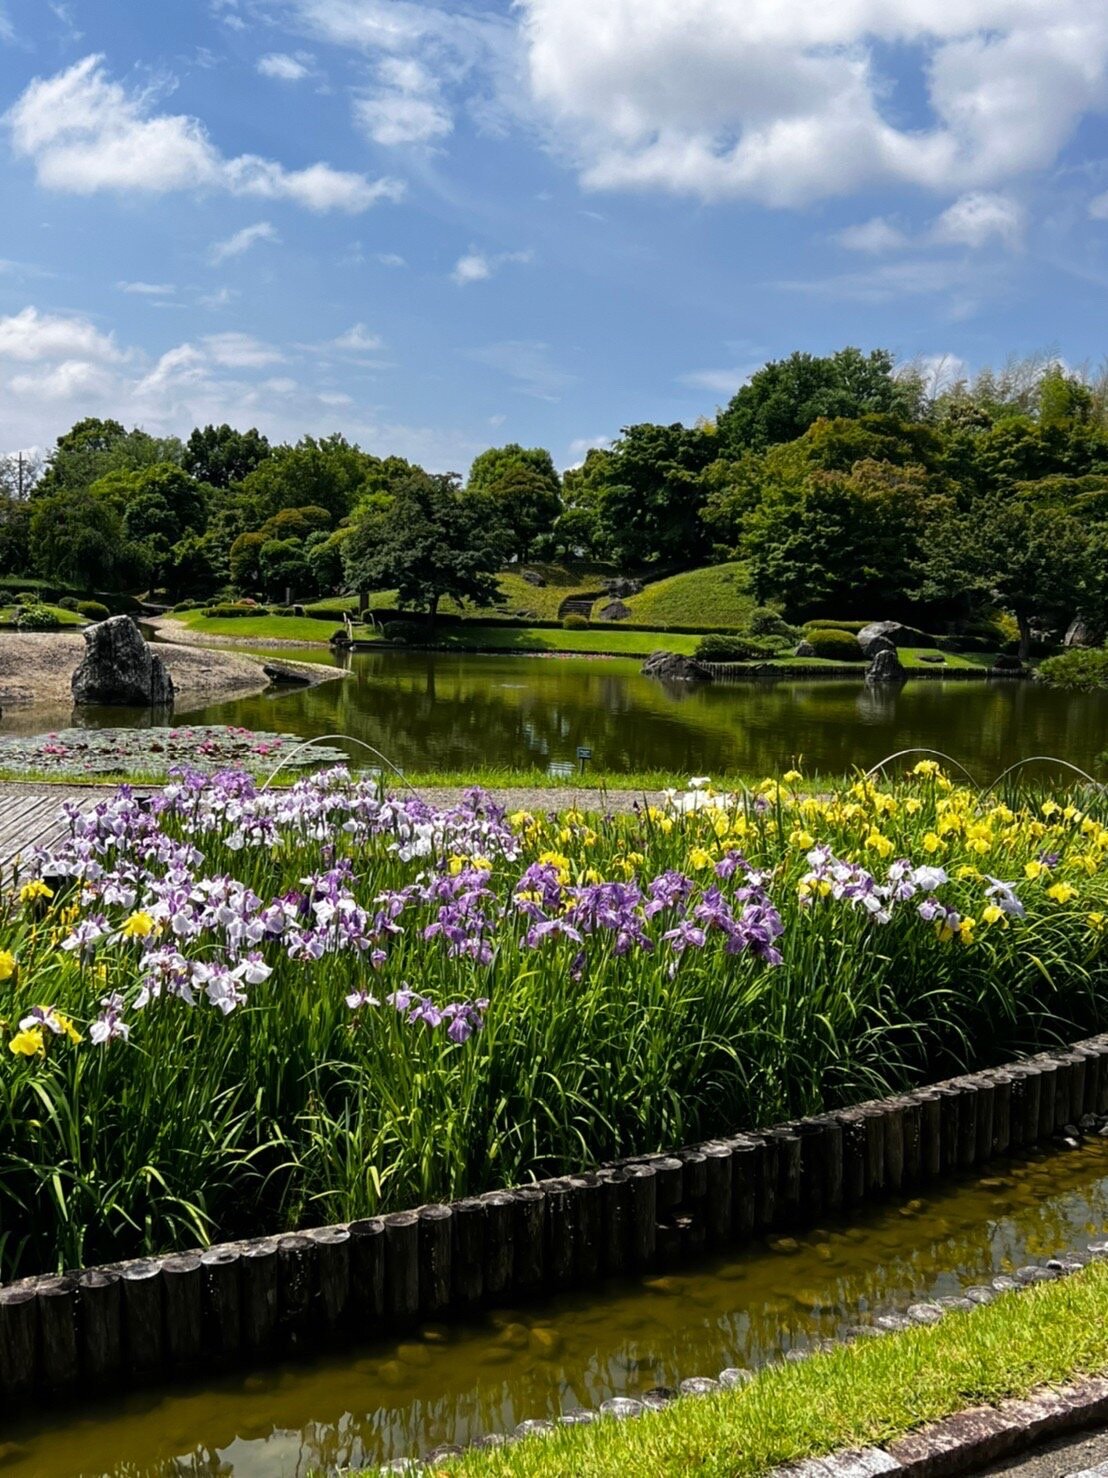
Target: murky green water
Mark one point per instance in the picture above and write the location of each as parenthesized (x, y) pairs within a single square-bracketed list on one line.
[(450, 711), (451, 1384)]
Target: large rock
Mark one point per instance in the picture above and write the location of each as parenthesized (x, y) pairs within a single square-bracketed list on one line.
[(1007, 665), (615, 610), (621, 586), (885, 668), (533, 578), (896, 633), (119, 668), (1078, 634), (672, 667)]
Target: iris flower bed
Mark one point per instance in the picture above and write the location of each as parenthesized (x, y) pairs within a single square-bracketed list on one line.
[(229, 1011)]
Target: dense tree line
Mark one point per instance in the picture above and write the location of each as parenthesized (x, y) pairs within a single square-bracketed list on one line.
[(849, 485)]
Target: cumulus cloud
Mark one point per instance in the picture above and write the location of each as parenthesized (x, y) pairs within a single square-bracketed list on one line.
[(31, 335), (788, 103), (477, 266), (240, 351), (978, 218), (406, 107), (242, 241), (147, 289), (1098, 207), (85, 133), (356, 340), (284, 68)]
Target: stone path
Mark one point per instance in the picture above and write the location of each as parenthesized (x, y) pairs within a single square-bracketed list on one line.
[(1084, 1456)]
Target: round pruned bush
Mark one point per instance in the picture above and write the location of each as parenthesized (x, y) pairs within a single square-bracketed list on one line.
[(93, 610), (68, 603), (835, 644), (716, 648), (764, 621), (36, 618), (575, 622), (28, 598), (225, 612), (404, 633)]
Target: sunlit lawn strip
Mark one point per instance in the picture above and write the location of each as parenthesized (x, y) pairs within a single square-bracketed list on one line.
[(860, 1395), (312, 1004)]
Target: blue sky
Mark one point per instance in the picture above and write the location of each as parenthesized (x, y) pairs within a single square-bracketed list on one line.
[(439, 226)]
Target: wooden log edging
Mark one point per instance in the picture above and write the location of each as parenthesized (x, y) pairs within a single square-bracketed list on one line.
[(143, 1320)]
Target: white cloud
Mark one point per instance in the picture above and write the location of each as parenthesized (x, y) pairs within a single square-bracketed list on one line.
[(85, 133), (356, 340), (1098, 207), (406, 107), (242, 241), (147, 289), (31, 335), (7, 31), (240, 351), (786, 103), (975, 219), (477, 266), (874, 236), (581, 446), (391, 259), (222, 297), (282, 67), (719, 381), (528, 364)]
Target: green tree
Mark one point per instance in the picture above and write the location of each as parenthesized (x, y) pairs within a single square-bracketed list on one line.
[(15, 534), (284, 568), (432, 540), (188, 569), (522, 483), (77, 539), (324, 555), (785, 397), (329, 473), (93, 448), (222, 456), (244, 562)]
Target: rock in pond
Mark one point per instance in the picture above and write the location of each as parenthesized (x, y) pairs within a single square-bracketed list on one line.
[(286, 677), (885, 668), (673, 667), (119, 668)]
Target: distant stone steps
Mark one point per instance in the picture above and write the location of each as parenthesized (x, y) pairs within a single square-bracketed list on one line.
[(577, 605)]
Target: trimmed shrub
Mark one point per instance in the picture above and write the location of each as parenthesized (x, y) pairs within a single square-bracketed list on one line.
[(1083, 669), (766, 622), (28, 598), (575, 622), (402, 632), (227, 612), (834, 643), (36, 618), (821, 625), (93, 610), (67, 603), (732, 648)]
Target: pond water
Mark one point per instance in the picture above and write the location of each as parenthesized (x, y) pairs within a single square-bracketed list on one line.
[(456, 711), (452, 1384)]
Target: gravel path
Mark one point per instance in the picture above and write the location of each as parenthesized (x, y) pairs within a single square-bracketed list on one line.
[(177, 632)]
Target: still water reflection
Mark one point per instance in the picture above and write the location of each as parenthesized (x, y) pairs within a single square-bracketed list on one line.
[(452, 1384), (456, 711)]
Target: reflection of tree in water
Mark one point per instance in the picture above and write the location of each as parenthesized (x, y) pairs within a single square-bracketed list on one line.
[(457, 711), (404, 1397)]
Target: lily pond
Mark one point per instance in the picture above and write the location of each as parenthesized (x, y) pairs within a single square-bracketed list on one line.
[(451, 711)]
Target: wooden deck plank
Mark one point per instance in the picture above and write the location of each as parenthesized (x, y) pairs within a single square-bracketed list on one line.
[(27, 820), (30, 822)]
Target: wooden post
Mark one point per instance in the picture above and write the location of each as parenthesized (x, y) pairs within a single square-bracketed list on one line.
[(19, 1340), (367, 1276), (297, 1263), (950, 1103), (560, 1233), (101, 1326), (590, 1226), (986, 1094), (854, 1157), (499, 1248), (58, 1341), (259, 1293), (467, 1252), (530, 1261), (222, 1301), (967, 1123), (893, 1123), (913, 1141), (744, 1185), (643, 1217), (402, 1268), (717, 1208), (183, 1279), (810, 1134), (931, 1132), (1048, 1084), (873, 1119), (1092, 1078), (143, 1317), (1063, 1072), (615, 1201), (436, 1239), (1017, 1102), (694, 1229), (332, 1255), (1002, 1105), (788, 1176), (1077, 1087)]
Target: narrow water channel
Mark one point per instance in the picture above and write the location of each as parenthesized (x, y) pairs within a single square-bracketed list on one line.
[(451, 1384)]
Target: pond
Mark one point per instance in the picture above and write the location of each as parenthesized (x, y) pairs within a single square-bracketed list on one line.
[(453, 711)]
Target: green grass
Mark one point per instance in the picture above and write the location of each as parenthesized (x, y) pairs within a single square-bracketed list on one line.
[(911, 658), (531, 639), (562, 580), (718, 595), (287, 628), (860, 1395), (65, 618)]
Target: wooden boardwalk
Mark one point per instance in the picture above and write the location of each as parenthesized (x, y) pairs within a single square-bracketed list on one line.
[(29, 815)]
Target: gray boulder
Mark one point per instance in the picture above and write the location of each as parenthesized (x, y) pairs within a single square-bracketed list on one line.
[(672, 667), (1078, 634), (1007, 666), (287, 677), (804, 649), (621, 586), (895, 632), (615, 610), (876, 644), (885, 668), (119, 668), (533, 578)]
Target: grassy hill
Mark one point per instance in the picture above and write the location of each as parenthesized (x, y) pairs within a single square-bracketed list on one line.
[(713, 597), (540, 601)]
